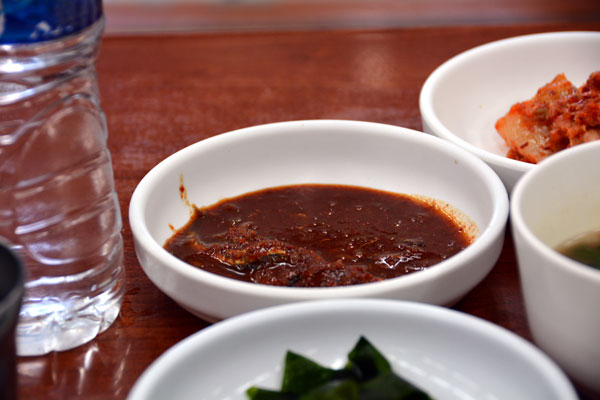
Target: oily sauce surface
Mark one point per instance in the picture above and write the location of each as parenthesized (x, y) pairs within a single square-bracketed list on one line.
[(317, 236)]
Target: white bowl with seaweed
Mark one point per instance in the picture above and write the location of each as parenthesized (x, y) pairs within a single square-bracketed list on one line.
[(444, 353)]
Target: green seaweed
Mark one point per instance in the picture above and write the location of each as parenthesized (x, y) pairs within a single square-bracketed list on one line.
[(366, 376), (588, 254)]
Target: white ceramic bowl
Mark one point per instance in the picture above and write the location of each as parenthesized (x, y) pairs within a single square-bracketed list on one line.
[(448, 354), (340, 152), (551, 204), (465, 96)]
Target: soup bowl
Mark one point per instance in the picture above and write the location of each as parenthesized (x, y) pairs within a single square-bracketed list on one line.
[(491, 78), (550, 205), (354, 153)]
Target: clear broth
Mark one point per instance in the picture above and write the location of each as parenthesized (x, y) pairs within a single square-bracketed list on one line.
[(584, 248)]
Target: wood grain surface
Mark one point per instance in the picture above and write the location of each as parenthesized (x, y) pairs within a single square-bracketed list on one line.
[(162, 92)]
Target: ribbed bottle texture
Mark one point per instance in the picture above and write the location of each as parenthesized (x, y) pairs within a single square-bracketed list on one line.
[(58, 205)]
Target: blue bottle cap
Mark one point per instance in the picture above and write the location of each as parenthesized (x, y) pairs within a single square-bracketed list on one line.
[(33, 21)]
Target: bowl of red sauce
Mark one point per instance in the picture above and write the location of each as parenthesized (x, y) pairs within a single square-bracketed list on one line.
[(516, 101), (307, 210)]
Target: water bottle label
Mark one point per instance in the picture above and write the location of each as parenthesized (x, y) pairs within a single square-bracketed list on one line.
[(32, 21)]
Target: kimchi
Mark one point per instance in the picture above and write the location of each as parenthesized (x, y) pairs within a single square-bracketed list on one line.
[(559, 116)]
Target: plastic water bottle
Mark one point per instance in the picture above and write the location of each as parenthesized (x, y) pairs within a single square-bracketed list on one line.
[(58, 206)]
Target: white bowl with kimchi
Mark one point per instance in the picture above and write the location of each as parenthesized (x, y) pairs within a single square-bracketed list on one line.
[(516, 101), (369, 155)]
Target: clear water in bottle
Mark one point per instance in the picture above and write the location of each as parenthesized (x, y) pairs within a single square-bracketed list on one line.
[(58, 205)]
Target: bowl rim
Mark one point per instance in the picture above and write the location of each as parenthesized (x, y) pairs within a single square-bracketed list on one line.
[(428, 89), (278, 314), (488, 234), (517, 219)]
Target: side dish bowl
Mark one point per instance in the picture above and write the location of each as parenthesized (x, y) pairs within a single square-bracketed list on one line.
[(448, 354), (550, 205), (465, 96), (355, 153)]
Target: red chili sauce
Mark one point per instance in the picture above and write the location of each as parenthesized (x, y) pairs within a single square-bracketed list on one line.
[(317, 236)]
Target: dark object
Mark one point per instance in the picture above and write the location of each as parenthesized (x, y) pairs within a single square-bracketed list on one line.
[(11, 293)]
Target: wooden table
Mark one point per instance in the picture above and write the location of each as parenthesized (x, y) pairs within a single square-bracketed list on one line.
[(164, 92)]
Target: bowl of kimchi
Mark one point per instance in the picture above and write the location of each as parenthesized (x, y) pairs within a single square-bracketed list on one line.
[(516, 101), (212, 180)]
